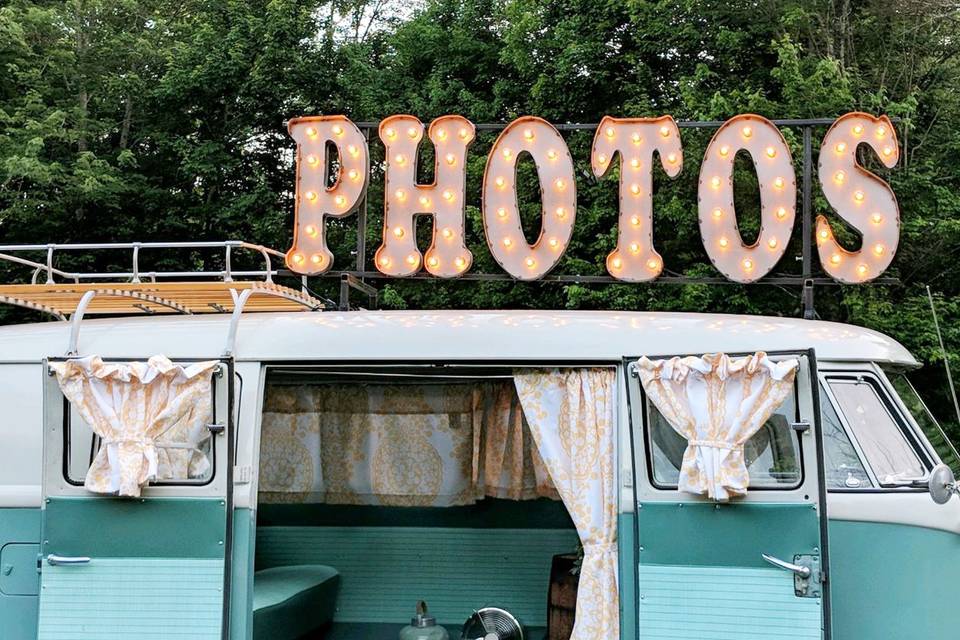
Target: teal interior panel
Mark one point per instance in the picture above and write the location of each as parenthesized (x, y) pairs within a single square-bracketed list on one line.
[(730, 535), (241, 583), (892, 582), (724, 603), (19, 531), (385, 570), (127, 598)]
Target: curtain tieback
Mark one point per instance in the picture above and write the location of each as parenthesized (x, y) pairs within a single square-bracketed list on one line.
[(143, 442), (714, 444), (592, 548)]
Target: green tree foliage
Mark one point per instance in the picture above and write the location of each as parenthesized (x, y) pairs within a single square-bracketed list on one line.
[(163, 120)]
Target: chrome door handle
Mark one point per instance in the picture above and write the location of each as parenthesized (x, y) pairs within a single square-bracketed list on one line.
[(55, 560), (803, 572)]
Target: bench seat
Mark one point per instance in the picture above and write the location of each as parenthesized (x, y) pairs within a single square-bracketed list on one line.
[(294, 601)]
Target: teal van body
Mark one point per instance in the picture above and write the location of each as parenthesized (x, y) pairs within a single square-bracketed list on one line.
[(686, 565)]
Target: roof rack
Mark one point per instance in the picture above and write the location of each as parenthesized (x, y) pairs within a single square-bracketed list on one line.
[(73, 295)]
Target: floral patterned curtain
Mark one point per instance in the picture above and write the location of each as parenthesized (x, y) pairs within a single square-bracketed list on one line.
[(397, 445), (139, 409), (572, 418), (717, 403)]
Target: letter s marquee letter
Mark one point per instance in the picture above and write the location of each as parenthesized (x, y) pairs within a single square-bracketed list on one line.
[(859, 197), (316, 198)]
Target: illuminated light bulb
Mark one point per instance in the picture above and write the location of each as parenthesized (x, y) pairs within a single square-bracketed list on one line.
[(610, 132), (635, 221), (447, 233), (341, 201), (772, 243), (441, 134), (412, 132), (857, 130), (653, 264), (507, 153), (561, 212), (400, 194), (747, 264), (635, 163), (316, 258), (460, 262), (841, 147), (554, 243), (839, 177), (881, 131), (862, 270), (835, 258), (433, 261), (528, 134), (718, 213), (451, 159), (715, 182), (771, 152), (463, 133), (616, 263), (412, 259), (425, 201), (298, 258), (876, 218), (502, 212), (782, 213), (312, 132), (384, 261), (353, 150), (672, 158), (400, 159), (879, 249), (824, 234), (552, 154), (391, 133), (311, 230), (531, 263), (724, 243), (313, 160), (500, 182), (353, 174), (311, 195), (858, 196), (507, 242), (665, 131), (398, 231), (635, 189), (778, 182), (634, 247), (747, 132), (636, 138), (337, 130), (888, 151), (560, 184), (724, 151), (448, 195), (602, 159)]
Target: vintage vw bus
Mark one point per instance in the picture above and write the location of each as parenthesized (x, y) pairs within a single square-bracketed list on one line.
[(290, 474)]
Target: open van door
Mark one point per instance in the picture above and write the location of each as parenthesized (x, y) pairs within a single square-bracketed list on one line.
[(751, 568), (155, 566)]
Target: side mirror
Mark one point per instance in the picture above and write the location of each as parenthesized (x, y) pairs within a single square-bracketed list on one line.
[(942, 484)]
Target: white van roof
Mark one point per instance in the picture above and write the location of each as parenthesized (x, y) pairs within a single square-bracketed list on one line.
[(541, 336)]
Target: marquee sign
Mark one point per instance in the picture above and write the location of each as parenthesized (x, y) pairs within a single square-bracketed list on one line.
[(335, 189)]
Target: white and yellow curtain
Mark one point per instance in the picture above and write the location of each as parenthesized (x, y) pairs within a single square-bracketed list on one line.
[(717, 403), (150, 417), (571, 413), (423, 445)]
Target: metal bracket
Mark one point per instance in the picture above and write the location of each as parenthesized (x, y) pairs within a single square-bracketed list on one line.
[(807, 587), (348, 282)]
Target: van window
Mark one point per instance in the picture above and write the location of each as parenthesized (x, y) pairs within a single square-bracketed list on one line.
[(888, 452), (772, 454), (925, 420), (842, 466)]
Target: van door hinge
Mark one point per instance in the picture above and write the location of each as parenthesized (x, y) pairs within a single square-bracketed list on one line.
[(242, 475)]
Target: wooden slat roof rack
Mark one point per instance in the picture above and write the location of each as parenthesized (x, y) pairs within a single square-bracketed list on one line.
[(73, 295)]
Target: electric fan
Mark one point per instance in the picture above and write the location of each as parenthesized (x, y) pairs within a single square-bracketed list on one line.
[(491, 623)]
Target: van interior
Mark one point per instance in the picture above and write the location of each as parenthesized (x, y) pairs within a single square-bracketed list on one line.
[(381, 489)]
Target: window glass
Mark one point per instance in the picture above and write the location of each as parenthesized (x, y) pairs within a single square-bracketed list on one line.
[(842, 466), (772, 454), (931, 428), (890, 455)]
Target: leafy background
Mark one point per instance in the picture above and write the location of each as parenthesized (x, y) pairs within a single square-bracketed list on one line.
[(127, 120)]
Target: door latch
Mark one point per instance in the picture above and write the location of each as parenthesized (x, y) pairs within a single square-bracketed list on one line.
[(807, 576)]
